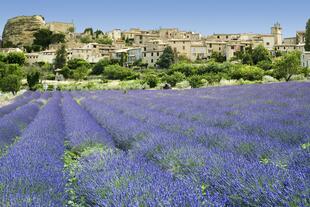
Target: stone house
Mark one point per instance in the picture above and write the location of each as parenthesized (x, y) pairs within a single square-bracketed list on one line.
[(305, 59)]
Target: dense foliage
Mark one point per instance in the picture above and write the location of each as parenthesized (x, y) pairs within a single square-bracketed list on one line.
[(222, 146), (33, 78), (44, 37), (10, 77), (287, 66), (307, 36)]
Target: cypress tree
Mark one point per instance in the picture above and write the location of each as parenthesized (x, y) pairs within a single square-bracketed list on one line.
[(307, 36)]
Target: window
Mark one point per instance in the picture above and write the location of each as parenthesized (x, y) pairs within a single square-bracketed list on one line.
[(218, 37), (183, 47), (145, 49), (157, 53), (152, 54), (268, 43), (152, 61), (220, 48), (227, 37), (174, 42), (232, 47), (144, 54), (210, 45)]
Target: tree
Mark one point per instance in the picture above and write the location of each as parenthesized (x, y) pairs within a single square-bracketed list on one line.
[(33, 78), (61, 57), (175, 78), (10, 78), (151, 80), (76, 63), (307, 36), (89, 31), (100, 66), (287, 65), (104, 40), (98, 32), (247, 59), (57, 38), (195, 81), (66, 72), (260, 53), (16, 58), (80, 73), (117, 72), (10, 83), (43, 38), (167, 58), (247, 72), (2, 57)]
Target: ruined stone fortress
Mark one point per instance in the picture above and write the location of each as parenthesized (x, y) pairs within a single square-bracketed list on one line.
[(145, 45)]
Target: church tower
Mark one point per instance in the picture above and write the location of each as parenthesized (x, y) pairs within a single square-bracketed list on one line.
[(276, 30)]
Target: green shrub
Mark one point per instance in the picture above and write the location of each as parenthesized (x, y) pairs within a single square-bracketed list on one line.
[(10, 83), (265, 65), (100, 66), (77, 63), (33, 78), (195, 81), (247, 72), (50, 76), (214, 77), (80, 73), (116, 72), (16, 58), (174, 78), (186, 68), (151, 80)]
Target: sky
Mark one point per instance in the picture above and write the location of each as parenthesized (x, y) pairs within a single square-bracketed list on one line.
[(203, 16)]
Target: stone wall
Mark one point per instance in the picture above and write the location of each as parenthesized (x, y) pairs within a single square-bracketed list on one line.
[(60, 27)]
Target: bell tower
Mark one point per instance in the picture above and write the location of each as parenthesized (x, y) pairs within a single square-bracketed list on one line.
[(276, 30)]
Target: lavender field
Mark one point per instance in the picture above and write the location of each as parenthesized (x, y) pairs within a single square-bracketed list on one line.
[(223, 146)]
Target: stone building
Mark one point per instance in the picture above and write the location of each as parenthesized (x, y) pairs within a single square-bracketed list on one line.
[(305, 59), (92, 52), (115, 35), (60, 27), (152, 52), (198, 51), (129, 55)]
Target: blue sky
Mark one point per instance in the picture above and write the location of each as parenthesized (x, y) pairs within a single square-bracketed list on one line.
[(204, 16)]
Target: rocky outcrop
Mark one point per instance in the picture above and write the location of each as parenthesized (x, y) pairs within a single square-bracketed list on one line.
[(19, 31)]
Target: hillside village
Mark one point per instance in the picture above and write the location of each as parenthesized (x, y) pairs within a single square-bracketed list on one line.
[(146, 45)]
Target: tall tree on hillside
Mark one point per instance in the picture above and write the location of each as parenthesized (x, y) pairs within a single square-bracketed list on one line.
[(43, 38), (167, 58), (61, 57), (307, 36)]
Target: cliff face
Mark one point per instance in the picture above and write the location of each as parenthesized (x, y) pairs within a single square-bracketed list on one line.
[(19, 31)]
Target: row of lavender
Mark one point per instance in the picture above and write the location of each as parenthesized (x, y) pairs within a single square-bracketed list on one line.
[(22, 112), (271, 170), (31, 173)]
